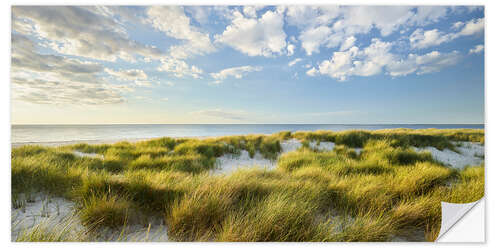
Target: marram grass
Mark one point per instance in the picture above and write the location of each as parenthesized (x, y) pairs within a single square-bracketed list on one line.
[(386, 192)]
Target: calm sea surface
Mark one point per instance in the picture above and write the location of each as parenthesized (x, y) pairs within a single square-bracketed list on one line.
[(62, 134)]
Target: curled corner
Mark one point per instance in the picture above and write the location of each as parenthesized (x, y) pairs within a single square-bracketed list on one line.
[(451, 213)]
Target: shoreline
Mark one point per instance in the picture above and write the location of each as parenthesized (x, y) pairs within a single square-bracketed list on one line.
[(138, 139), (110, 141)]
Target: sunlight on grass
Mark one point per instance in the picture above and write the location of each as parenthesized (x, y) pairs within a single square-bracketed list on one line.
[(385, 192)]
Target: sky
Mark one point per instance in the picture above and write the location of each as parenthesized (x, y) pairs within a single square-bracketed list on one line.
[(247, 64)]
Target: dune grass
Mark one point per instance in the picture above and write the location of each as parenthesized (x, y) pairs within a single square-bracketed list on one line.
[(388, 190)]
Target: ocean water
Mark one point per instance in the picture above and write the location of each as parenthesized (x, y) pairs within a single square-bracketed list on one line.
[(65, 134)]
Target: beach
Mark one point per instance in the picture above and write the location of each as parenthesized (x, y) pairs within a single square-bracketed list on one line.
[(160, 189)]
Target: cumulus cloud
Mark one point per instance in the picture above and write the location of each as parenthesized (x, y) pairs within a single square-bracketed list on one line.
[(294, 61), (348, 43), (378, 58), (361, 19), (477, 49), (61, 48), (422, 64), (333, 26), (457, 25), (304, 16), (172, 21), (222, 114), (129, 74), (180, 68), (365, 62), (262, 36), (290, 48), (251, 10), (423, 39), (137, 76), (200, 13), (79, 31), (429, 14), (472, 27), (236, 72), (313, 38)]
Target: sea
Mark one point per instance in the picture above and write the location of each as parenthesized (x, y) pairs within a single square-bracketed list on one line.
[(69, 134)]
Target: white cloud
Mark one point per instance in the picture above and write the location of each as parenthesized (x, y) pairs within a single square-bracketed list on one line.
[(458, 25), (62, 92), (180, 68), (477, 49), (129, 74), (294, 61), (309, 16), (172, 21), (200, 13), (137, 76), (50, 79), (290, 48), (361, 19), (429, 14), (348, 43), (472, 27), (378, 58), (313, 38), (236, 72), (312, 72), (251, 11), (79, 31), (262, 36), (435, 61), (423, 39), (422, 64), (366, 62), (338, 26)]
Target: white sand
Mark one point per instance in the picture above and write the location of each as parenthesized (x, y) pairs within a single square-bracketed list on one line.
[(40, 209), (358, 150), (323, 146), (55, 212), (156, 231), (229, 162), (290, 145), (470, 155), (92, 155)]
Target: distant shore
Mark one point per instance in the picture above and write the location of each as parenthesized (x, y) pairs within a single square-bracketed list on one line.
[(63, 143), (56, 135), (137, 139)]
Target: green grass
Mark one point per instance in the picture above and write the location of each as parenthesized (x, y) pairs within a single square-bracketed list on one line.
[(65, 231), (387, 191)]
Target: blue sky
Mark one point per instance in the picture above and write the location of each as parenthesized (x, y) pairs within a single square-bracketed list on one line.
[(247, 64)]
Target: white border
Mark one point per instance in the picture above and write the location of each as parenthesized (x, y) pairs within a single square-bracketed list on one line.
[(492, 47)]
